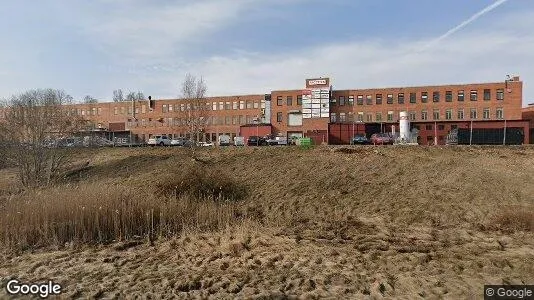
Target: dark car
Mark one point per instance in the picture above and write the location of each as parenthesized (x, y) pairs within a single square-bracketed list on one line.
[(360, 139), (256, 141)]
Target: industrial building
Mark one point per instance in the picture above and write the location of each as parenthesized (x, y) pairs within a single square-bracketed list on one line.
[(325, 114)]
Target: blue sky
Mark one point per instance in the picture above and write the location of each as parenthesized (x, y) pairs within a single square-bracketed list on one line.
[(255, 46)]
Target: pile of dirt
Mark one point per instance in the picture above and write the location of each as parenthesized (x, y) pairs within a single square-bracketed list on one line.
[(338, 222)]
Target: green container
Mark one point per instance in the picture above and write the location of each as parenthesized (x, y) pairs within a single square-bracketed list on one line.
[(305, 142)]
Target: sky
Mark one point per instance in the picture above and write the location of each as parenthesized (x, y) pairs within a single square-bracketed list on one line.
[(256, 46)]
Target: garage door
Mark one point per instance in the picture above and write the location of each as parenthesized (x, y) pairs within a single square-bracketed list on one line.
[(295, 120)]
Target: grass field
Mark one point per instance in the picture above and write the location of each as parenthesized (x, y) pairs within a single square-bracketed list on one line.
[(276, 223)]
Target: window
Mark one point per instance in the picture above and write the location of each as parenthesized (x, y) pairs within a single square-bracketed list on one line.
[(360, 117), (429, 127), (359, 100), (333, 117), (461, 96), (279, 101), (115, 111), (448, 96), (241, 120), (235, 119), (227, 120), (486, 113), (278, 117), (369, 117), (171, 107), (487, 94), (164, 108), (242, 104), (228, 105), (424, 115), (289, 100), (342, 117), (333, 101), (460, 114), (299, 100), (235, 105), (369, 99), (249, 104), (454, 126), (435, 96), (123, 110), (474, 95), (500, 113), (378, 98), (256, 105), (350, 117), (500, 94), (400, 98), (390, 116), (390, 99), (351, 101), (214, 104), (100, 111), (411, 116), (378, 117), (435, 114), (424, 97), (413, 97), (341, 102), (473, 113), (448, 114), (221, 106), (93, 113)]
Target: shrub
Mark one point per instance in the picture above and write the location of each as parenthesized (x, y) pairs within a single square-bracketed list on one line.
[(201, 182)]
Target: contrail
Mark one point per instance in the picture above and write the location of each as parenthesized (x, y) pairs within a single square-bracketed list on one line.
[(465, 23)]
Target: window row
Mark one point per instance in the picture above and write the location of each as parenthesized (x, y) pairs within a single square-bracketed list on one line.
[(211, 120), (401, 98), (288, 100), (94, 111), (424, 115), (221, 105)]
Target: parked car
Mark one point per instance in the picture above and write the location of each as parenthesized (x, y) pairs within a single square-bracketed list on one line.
[(181, 141), (205, 144), (359, 139), (270, 140), (256, 141), (381, 139), (159, 140), (239, 141), (224, 140)]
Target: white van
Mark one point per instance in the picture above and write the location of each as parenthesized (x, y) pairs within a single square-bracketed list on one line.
[(239, 141), (224, 140)]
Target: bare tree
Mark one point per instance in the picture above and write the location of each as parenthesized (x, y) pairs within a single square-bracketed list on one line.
[(194, 97), (131, 96), (34, 124), (118, 96), (89, 100)]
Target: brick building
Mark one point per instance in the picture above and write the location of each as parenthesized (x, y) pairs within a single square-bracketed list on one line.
[(434, 110)]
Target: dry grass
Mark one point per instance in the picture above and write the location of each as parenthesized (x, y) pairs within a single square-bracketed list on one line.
[(96, 214), (331, 222)]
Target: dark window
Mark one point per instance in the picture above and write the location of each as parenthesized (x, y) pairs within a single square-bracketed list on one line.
[(435, 114), (351, 101), (428, 127), (289, 100), (435, 96), (454, 126), (369, 100), (378, 98), (341, 100), (299, 100), (441, 127), (500, 94), (461, 96), (390, 99), (400, 98), (448, 96), (359, 100), (487, 94), (413, 97), (279, 101), (424, 97), (474, 95), (279, 117)]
